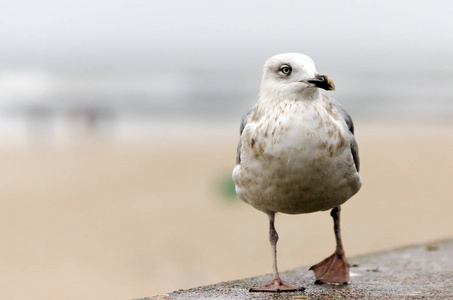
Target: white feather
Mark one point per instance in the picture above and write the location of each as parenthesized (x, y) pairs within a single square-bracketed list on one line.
[(295, 148)]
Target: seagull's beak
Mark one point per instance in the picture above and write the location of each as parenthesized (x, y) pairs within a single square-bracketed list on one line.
[(321, 81)]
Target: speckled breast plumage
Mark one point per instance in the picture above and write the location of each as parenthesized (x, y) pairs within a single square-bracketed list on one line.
[(296, 158)]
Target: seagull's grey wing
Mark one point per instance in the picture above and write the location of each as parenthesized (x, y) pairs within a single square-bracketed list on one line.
[(244, 121), (354, 147), (355, 153)]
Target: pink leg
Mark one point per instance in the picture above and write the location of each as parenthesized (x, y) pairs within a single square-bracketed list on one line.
[(335, 268), (276, 284)]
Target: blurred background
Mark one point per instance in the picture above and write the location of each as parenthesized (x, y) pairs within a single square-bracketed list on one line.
[(119, 122)]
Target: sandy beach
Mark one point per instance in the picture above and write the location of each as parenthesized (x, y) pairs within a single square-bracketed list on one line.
[(121, 221)]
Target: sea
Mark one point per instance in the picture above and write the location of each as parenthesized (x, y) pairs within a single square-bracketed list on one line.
[(59, 107)]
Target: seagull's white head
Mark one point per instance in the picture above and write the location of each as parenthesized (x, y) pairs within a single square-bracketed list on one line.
[(292, 76)]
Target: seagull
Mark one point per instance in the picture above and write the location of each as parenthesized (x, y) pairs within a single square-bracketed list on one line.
[(297, 154)]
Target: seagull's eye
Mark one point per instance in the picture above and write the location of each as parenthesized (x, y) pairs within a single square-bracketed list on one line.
[(286, 70)]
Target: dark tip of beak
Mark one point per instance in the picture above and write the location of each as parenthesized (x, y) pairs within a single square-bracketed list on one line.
[(323, 82)]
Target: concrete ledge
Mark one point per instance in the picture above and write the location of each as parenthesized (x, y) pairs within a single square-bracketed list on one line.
[(414, 272)]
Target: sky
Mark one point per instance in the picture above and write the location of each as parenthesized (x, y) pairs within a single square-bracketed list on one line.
[(212, 34), (382, 55)]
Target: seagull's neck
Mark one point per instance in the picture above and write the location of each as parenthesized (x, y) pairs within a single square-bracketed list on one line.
[(310, 94)]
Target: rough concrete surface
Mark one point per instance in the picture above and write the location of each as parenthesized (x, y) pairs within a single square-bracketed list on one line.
[(414, 272)]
